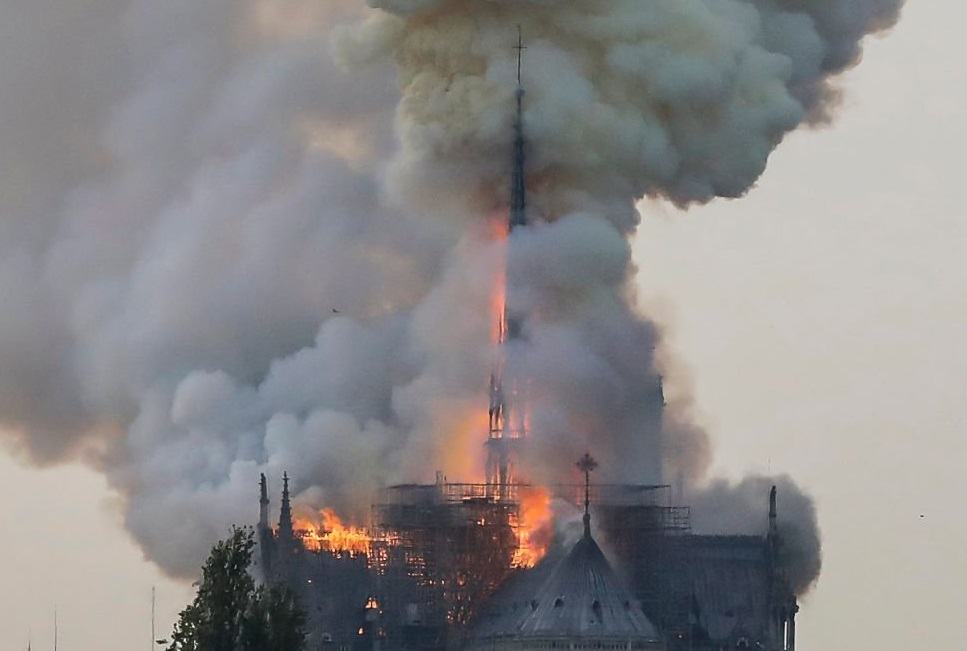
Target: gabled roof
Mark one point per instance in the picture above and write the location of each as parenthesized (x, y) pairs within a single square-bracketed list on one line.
[(727, 580), (574, 595)]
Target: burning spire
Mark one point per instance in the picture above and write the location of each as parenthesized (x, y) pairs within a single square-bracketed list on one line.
[(507, 422)]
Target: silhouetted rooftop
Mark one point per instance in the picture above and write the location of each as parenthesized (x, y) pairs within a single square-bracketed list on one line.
[(571, 595)]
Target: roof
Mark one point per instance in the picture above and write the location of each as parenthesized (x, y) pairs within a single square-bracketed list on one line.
[(727, 577), (573, 595)]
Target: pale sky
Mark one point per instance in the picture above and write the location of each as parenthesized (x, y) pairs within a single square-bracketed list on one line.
[(819, 322)]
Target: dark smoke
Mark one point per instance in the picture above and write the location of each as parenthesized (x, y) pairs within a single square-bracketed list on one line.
[(740, 508)]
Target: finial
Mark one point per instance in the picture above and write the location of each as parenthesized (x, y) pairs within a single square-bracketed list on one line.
[(773, 513), (586, 464), (518, 190), (520, 47)]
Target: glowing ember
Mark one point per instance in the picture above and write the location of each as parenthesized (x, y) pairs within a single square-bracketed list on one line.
[(535, 526), (331, 535)]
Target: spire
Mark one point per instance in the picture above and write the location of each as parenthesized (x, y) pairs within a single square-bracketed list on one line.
[(285, 514), (518, 200), (263, 503), (772, 514), (586, 464), (507, 419)]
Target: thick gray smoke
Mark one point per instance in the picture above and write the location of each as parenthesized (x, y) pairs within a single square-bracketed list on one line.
[(253, 235), (724, 508)]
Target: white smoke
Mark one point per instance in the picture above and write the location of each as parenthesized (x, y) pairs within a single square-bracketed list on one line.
[(683, 99), (209, 270)]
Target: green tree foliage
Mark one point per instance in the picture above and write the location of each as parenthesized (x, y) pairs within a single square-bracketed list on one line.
[(231, 613)]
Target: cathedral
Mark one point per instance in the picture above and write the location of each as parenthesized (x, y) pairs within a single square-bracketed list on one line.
[(443, 566), (439, 572)]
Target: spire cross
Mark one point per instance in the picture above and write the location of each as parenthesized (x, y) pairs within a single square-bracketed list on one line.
[(520, 47), (586, 464)]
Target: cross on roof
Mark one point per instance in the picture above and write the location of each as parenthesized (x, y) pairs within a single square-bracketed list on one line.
[(586, 464)]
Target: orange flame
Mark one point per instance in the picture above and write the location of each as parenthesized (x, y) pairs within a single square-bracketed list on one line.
[(535, 528), (331, 535), (498, 232)]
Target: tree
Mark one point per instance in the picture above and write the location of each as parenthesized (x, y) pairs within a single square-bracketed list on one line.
[(231, 613)]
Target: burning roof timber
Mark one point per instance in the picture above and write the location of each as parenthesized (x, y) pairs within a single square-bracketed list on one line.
[(442, 561)]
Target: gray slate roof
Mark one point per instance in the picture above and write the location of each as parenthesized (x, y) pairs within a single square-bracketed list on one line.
[(728, 578), (573, 595)]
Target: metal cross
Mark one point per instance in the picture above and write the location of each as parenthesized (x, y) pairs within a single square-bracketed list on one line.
[(586, 464), (520, 47)]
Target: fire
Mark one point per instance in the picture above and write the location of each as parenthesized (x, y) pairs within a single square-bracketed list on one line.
[(498, 297), (343, 538), (535, 527), (331, 535)]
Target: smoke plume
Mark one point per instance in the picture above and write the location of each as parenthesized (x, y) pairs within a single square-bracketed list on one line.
[(725, 508), (244, 236)]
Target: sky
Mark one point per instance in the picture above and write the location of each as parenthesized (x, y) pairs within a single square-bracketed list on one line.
[(818, 322)]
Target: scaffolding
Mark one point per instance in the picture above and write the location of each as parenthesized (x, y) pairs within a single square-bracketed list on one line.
[(439, 551), (642, 538)]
